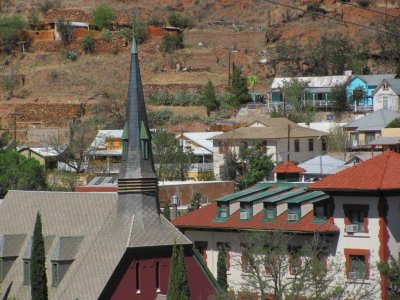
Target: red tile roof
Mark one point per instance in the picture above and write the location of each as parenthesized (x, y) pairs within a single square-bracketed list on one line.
[(381, 172), (288, 167), (203, 218)]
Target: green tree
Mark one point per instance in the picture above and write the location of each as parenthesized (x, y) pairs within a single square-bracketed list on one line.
[(339, 97), (358, 95), (230, 167), (222, 279), (297, 108), (103, 16), (210, 100), (5, 141), (258, 164), (167, 212), (195, 201), (10, 33), (38, 267), (173, 161), (239, 87), (394, 123), (156, 20), (88, 43), (172, 42), (178, 284), (177, 20), (20, 173), (391, 271), (206, 175), (252, 80), (140, 30)]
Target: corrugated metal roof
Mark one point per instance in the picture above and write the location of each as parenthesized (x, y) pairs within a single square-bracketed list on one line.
[(322, 164), (374, 80), (308, 196), (287, 195), (321, 81), (374, 121), (267, 193), (230, 197), (392, 140)]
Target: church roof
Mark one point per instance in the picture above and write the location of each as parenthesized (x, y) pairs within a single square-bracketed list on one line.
[(98, 237)]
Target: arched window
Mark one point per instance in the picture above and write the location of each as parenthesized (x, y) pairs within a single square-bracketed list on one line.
[(157, 277), (137, 278)]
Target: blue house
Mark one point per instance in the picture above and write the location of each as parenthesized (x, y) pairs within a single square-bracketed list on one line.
[(362, 86)]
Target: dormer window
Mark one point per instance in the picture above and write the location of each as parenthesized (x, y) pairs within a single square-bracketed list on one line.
[(223, 211), (246, 211), (269, 212), (27, 271), (294, 213)]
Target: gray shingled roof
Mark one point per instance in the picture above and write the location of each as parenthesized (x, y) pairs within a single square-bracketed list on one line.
[(393, 83), (10, 244), (374, 80), (106, 234), (374, 121)]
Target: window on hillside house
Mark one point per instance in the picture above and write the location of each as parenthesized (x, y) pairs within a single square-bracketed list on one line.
[(356, 218), (246, 212), (27, 272), (201, 247), (270, 212), (385, 86), (310, 145), (357, 268), (227, 247), (369, 137), (324, 144), (294, 213), (222, 147), (296, 145)]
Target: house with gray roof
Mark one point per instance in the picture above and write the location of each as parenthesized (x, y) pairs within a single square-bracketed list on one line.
[(320, 167), (361, 132), (101, 245), (386, 95)]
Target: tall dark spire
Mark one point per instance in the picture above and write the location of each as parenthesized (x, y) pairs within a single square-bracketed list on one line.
[(137, 173)]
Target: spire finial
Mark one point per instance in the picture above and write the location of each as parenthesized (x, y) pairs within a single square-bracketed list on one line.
[(134, 45)]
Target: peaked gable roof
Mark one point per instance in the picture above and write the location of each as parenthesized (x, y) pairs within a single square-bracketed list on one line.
[(202, 138), (374, 80), (287, 167), (374, 121), (322, 164), (393, 83), (381, 172)]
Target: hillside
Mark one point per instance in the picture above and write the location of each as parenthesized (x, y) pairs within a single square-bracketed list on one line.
[(254, 29)]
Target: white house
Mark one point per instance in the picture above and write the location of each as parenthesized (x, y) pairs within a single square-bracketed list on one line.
[(386, 95), (280, 137), (355, 210)]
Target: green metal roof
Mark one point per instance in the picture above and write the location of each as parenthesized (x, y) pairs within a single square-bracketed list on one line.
[(234, 196), (307, 197), (267, 193), (286, 195)]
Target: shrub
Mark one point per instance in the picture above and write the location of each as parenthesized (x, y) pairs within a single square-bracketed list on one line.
[(10, 33), (106, 35), (102, 16), (141, 33), (171, 42), (88, 43), (71, 55), (45, 5), (395, 123), (156, 21), (182, 98), (180, 21), (126, 33)]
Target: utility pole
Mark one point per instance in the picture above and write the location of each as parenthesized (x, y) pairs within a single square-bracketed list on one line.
[(288, 142)]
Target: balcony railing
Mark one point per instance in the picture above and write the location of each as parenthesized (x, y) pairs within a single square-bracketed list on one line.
[(361, 108)]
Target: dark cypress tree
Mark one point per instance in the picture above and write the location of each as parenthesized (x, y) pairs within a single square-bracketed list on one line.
[(38, 267), (210, 100), (167, 213), (221, 269), (178, 285), (239, 87)]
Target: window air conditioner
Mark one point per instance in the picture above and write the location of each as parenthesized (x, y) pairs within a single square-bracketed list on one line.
[(352, 228), (224, 214), (244, 215), (293, 217)]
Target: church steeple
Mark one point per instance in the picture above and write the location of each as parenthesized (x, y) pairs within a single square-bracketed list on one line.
[(137, 173)]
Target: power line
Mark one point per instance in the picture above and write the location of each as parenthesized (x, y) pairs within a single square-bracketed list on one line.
[(333, 18), (369, 9)]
